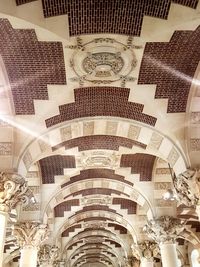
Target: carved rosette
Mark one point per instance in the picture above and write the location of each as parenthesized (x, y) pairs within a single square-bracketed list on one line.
[(48, 255), (164, 229), (187, 188), (13, 190), (147, 249), (30, 234)]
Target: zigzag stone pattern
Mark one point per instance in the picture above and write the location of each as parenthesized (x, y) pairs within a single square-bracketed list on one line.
[(54, 165), (171, 66), (30, 65), (109, 16), (101, 101), (140, 164)]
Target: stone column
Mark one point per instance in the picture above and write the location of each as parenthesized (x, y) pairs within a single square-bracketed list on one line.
[(164, 231), (30, 235), (146, 251), (48, 256), (13, 190)]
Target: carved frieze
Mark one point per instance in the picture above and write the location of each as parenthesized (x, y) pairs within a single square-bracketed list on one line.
[(96, 200)]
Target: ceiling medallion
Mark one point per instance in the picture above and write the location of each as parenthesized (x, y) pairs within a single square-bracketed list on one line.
[(103, 61)]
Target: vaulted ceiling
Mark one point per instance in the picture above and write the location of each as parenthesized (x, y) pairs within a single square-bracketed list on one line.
[(98, 99)]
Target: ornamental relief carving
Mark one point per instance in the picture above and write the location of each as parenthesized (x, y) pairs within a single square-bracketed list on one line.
[(103, 61), (146, 249), (13, 190), (164, 229), (187, 188), (48, 254), (97, 200), (30, 234)]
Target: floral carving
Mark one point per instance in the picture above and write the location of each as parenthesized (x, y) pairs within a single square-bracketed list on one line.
[(13, 190), (164, 229), (30, 234)]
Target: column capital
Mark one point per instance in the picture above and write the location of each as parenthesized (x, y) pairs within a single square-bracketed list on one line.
[(48, 255), (30, 234), (164, 229), (187, 187), (13, 190), (146, 249)]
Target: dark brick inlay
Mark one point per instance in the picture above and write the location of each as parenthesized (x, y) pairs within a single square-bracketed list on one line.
[(171, 66), (188, 3), (117, 227), (101, 101), (96, 173), (109, 16), (99, 142), (30, 65), (71, 230), (54, 165), (65, 206), (139, 163), (21, 2), (126, 204)]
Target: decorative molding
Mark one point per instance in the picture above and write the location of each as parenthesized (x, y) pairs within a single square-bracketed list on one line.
[(30, 234), (13, 190), (164, 229), (103, 61)]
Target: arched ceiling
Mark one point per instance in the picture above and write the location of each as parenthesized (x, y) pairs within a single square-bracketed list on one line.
[(97, 99)]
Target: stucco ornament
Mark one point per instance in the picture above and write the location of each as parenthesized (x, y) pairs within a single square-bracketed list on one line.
[(103, 61), (13, 190), (187, 188), (164, 229), (30, 234), (48, 255)]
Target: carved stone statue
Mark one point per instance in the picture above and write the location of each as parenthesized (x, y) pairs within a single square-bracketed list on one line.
[(13, 190), (187, 187), (164, 229), (30, 234)]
